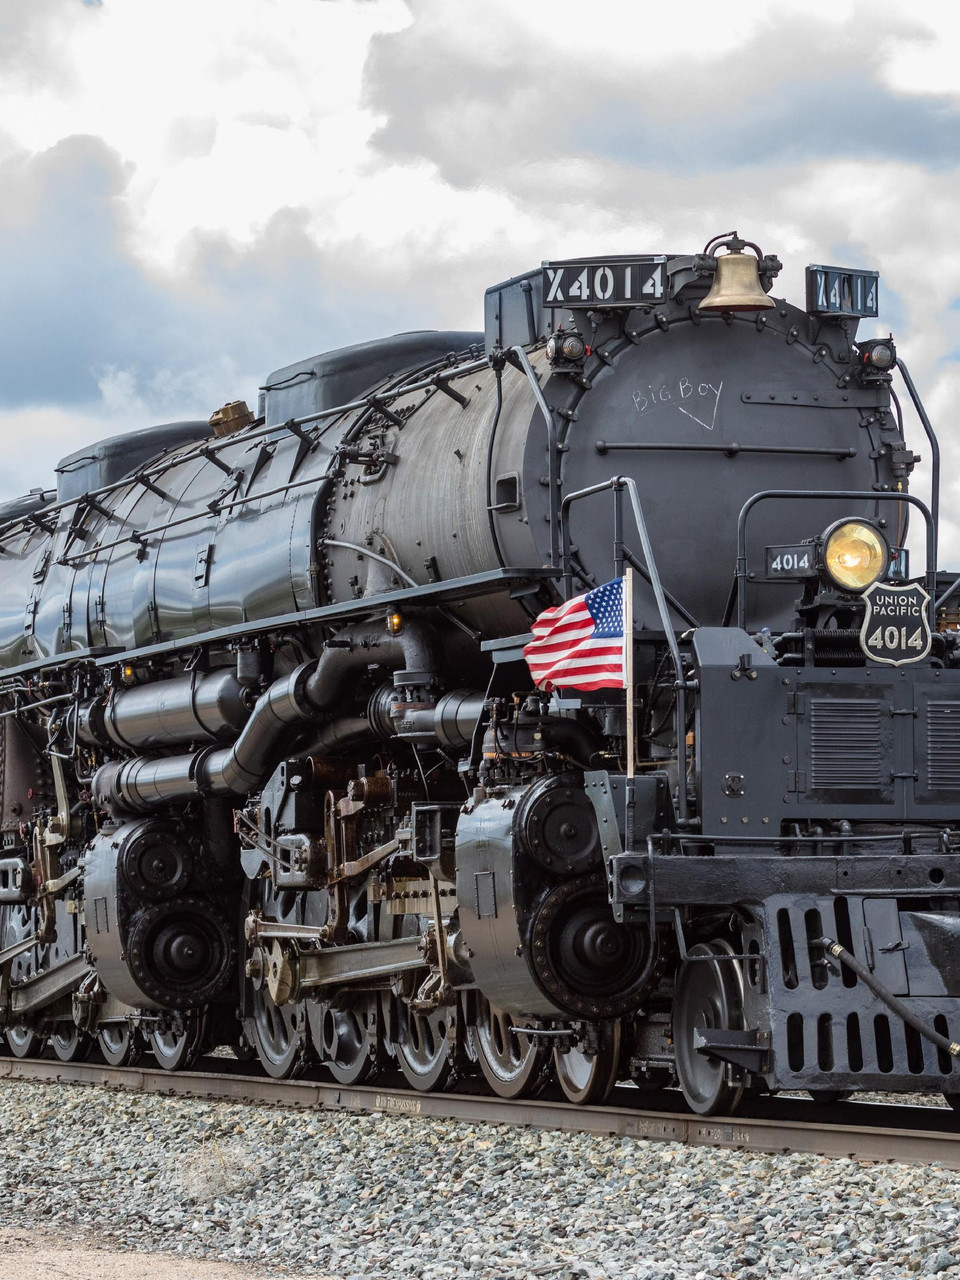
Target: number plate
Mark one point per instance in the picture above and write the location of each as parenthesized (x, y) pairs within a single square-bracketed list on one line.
[(607, 282), (791, 563), (896, 624), (838, 291)]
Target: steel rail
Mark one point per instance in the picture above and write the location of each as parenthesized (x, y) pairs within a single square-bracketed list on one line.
[(876, 1142)]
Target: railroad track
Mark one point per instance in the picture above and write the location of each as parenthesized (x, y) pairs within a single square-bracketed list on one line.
[(860, 1130)]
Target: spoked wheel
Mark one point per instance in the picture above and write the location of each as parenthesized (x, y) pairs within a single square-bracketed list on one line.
[(69, 1044), (426, 1046), (345, 1038), (586, 1075), (276, 1031), (24, 1042), (120, 1044), (708, 997), (277, 1034), (512, 1064), (19, 923), (345, 1028), (179, 1050)]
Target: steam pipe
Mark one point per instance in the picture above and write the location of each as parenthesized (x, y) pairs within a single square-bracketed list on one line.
[(294, 701), (143, 784), (414, 652)]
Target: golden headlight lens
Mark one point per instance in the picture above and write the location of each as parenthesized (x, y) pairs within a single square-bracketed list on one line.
[(855, 555)]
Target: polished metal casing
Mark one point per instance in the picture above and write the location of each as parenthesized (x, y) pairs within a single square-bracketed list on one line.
[(202, 706)]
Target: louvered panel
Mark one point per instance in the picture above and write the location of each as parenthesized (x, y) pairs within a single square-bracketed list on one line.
[(847, 744), (943, 745)]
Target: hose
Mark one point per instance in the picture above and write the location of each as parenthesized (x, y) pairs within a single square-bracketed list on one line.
[(896, 1006)]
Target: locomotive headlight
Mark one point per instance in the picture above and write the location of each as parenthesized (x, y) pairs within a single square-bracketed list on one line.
[(855, 554)]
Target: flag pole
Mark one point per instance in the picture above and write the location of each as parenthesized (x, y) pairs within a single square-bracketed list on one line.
[(630, 707)]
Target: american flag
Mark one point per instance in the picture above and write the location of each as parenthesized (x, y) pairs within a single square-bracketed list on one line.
[(579, 644)]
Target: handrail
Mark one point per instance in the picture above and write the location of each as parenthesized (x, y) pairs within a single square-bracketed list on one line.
[(934, 451), (214, 445), (618, 484), (628, 483), (826, 494)]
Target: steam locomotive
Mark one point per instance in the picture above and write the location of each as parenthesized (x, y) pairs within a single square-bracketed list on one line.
[(276, 775)]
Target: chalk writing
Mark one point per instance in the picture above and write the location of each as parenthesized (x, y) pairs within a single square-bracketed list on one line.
[(698, 400)]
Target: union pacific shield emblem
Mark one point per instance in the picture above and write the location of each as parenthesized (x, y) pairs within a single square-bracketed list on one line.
[(896, 624)]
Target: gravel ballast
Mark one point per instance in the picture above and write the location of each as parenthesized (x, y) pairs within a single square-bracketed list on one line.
[(294, 1193)]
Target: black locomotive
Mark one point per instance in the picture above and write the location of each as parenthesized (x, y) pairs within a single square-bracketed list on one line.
[(275, 773)]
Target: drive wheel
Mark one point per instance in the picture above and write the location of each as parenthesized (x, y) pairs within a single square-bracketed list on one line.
[(17, 924), (277, 1032), (69, 1044), (344, 1027), (426, 1046), (179, 1050), (345, 1039), (120, 1044), (708, 997), (24, 1042), (512, 1064), (588, 1077)]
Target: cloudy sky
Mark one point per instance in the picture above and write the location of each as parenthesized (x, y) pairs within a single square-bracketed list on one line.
[(195, 192)]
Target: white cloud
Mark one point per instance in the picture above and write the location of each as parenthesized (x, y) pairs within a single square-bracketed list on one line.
[(284, 176)]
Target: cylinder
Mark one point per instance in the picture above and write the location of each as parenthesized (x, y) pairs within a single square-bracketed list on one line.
[(144, 784), (203, 706)]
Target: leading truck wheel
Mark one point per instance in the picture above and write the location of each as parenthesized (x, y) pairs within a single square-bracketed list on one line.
[(708, 997)]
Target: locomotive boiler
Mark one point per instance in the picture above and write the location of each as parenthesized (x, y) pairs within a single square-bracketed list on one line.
[(276, 775)]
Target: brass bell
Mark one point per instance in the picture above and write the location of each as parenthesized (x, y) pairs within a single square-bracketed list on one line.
[(736, 284)]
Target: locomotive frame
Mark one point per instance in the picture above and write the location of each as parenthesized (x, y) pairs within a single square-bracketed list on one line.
[(275, 774)]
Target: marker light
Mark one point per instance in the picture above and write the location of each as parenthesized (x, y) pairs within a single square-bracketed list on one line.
[(566, 346), (877, 355), (855, 555)]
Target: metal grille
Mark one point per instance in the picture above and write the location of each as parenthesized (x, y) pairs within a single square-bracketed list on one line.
[(943, 745), (845, 743)]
